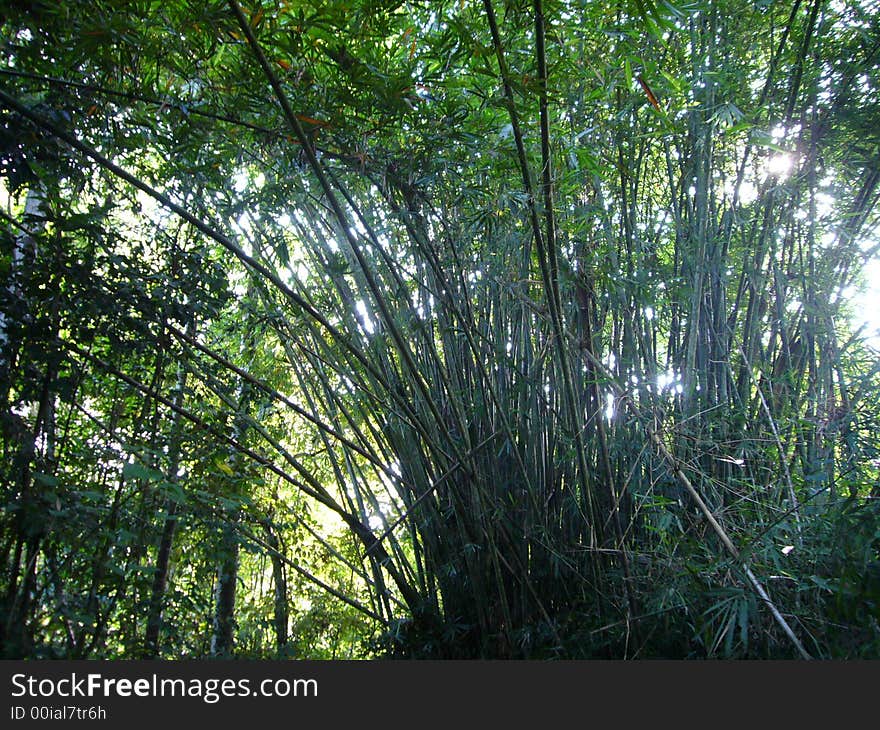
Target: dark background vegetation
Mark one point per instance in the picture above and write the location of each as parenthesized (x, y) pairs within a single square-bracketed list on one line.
[(350, 328)]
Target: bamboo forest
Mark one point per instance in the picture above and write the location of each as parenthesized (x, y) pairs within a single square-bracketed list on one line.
[(461, 329)]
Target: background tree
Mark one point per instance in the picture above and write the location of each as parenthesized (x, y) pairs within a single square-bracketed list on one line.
[(340, 329)]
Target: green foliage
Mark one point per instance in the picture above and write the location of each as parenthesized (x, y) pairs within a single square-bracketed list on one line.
[(426, 332)]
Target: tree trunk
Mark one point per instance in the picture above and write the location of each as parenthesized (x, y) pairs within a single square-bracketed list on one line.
[(281, 618), (166, 542)]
